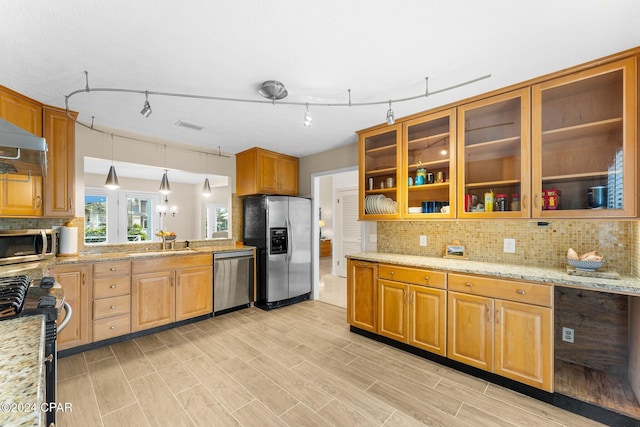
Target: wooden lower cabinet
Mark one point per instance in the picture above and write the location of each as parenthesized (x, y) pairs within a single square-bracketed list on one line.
[(171, 289), (111, 299), (508, 338), (75, 280), (152, 300), (362, 295), (194, 292), (412, 314)]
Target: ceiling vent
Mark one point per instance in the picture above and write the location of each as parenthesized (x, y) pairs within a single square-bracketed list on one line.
[(189, 125)]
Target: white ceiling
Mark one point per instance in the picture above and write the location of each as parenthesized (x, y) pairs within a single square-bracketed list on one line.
[(318, 49)]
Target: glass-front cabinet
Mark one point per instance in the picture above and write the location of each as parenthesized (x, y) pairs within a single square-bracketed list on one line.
[(584, 154), (493, 164), (380, 173), (429, 160)]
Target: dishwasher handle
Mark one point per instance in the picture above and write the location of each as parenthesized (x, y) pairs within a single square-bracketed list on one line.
[(233, 254)]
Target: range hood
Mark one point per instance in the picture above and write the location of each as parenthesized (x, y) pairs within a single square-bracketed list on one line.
[(21, 152)]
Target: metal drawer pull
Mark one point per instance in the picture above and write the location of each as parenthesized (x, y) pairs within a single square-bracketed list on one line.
[(113, 269), (112, 286), (520, 291), (112, 327), (112, 307), (426, 278), (392, 273), (469, 284)]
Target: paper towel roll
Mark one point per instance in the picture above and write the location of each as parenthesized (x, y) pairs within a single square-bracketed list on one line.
[(68, 241)]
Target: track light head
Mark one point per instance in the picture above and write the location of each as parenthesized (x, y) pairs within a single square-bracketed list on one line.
[(390, 117), (146, 110), (307, 118)]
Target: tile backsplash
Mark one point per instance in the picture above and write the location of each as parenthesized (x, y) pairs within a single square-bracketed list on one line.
[(536, 245)]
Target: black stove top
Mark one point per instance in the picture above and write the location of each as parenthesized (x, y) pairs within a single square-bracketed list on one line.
[(13, 295)]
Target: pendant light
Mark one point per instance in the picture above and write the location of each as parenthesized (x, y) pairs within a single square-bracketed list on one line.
[(112, 182), (206, 188), (165, 188)]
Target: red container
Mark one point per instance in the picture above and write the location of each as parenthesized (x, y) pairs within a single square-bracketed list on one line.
[(551, 198), (468, 201)]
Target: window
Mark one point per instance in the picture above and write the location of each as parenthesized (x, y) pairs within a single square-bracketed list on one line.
[(217, 222), (106, 222)]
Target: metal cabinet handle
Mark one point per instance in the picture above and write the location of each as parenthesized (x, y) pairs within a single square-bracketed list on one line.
[(535, 200), (469, 284), (83, 279), (411, 298), (392, 273), (49, 358), (524, 201), (112, 327), (112, 286), (37, 201), (498, 317), (112, 307), (426, 278), (520, 291), (488, 314), (113, 269)]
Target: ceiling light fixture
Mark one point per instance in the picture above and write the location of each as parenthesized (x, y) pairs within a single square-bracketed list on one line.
[(390, 118), (307, 117), (112, 182), (165, 188), (206, 188), (273, 90), (146, 110)]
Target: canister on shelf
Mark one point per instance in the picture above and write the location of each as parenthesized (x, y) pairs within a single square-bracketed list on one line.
[(370, 183), (389, 182), (515, 202), (488, 201), (500, 203), (440, 176), (553, 199), (421, 176), (468, 202)]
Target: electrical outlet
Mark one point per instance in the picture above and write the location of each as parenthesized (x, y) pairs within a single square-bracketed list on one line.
[(567, 334), (510, 246), (423, 240)]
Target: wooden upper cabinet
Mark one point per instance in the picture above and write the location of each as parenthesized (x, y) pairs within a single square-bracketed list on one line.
[(429, 165), (59, 184), (494, 161), (380, 160), (260, 171), (584, 140), (21, 111)]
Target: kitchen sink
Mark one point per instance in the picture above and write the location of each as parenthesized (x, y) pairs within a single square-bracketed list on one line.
[(165, 252)]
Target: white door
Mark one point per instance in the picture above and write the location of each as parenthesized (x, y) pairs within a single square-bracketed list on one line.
[(348, 229)]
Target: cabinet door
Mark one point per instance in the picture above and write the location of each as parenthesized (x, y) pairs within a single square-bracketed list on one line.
[(428, 319), (153, 300), (21, 111), (362, 295), (524, 343), (470, 330), (194, 292), (495, 156), (393, 310), (429, 166), (77, 293), (20, 195), (380, 171), (288, 175), (267, 172), (59, 184), (584, 140)]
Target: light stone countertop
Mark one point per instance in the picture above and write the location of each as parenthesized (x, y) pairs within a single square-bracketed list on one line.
[(624, 285), (22, 365)]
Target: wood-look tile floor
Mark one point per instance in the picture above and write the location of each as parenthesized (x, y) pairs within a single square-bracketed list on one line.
[(297, 365)]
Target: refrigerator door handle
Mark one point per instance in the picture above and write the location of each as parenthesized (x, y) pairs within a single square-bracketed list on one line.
[(289, 239)]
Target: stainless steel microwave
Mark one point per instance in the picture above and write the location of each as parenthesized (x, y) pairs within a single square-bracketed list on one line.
[(27, 245)]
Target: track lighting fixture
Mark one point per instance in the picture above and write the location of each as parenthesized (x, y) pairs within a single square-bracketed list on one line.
[(146, 110), (112, 182), (165, 188), (307, 118), (390, 118)]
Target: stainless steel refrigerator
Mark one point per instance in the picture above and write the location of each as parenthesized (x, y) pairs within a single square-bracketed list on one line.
[(280, 228)]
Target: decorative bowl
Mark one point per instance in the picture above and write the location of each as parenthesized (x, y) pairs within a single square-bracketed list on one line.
[(170, 237), (585, 265)]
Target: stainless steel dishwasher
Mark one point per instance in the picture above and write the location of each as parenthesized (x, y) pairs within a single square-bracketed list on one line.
[(232, 280)]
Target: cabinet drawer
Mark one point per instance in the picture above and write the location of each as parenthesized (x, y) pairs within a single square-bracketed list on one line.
[(111, 287), (529, 293), (111, 327), (111, 268), (416, 276), (109, 307)]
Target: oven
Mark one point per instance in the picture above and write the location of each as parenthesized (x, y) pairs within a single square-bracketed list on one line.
[(22, 296)]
